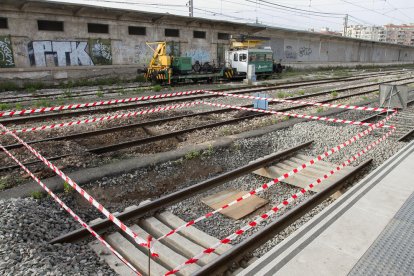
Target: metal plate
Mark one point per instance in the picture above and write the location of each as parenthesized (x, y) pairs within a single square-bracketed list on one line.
[(393, 251)]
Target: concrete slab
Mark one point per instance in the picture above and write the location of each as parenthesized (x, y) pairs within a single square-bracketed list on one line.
[(334, 240), (306, 176), (137, 258), (192, 232), (176, 241), (238, 211), (168, 258)]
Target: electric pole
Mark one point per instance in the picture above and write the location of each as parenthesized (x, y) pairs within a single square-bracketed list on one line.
[(191, 8), (345, 25)]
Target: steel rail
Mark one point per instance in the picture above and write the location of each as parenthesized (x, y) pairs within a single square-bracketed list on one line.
[(172, 100), (109, 130), (167, 200), (238, 251), (142, 141), (87, 92)]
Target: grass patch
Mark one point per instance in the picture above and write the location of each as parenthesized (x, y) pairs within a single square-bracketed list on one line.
[(8, 86), (37, 195), (100, 94), (67, 188), (192, 154), (43, 103), (301, 92), (281, 95), (334, 94), (4, 106), (157, 88), (18, 106), (320, 109)]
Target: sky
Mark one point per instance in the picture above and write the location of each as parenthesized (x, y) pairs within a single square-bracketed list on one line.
[(292, 14)]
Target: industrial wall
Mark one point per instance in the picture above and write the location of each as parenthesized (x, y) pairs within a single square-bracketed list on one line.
[(51, 41)]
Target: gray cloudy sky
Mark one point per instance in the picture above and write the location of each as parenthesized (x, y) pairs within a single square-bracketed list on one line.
[(295, 14)]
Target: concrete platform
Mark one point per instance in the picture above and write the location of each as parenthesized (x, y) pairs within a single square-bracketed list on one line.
[(368, 231)]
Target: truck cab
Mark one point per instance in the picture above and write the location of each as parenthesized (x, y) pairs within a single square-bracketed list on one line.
[(240, 59)]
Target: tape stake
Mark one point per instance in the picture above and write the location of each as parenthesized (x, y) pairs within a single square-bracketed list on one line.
[(277, 208), (71, 212)]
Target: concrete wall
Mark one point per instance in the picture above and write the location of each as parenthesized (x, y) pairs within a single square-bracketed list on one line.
[(26, 52)]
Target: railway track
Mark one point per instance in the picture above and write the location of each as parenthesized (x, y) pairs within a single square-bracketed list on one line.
[(150, 218), (69, 94), (171, 134), (78, 112)]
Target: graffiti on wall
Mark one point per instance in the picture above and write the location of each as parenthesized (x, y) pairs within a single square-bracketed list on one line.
[(305, 51), (69, 53), (6, 52), (290, 52), (100, 50), (198, 54)]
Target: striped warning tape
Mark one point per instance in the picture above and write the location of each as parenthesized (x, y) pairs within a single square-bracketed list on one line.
[(281, 178), (95, 104), (70, 211), (140, 241), (102, 119), (277, 208), (344, 106), (311, 117)]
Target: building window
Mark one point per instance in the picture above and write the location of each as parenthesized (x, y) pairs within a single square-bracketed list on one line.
[(133, 30), (47, 25), (172, 32), (3, 23), (223, 36), (98, 28), (199, 34)]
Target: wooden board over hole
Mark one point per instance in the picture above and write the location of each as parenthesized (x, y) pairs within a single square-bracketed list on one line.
[(239, 210)]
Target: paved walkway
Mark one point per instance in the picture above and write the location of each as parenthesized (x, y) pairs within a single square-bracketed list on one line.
[(368, 231)]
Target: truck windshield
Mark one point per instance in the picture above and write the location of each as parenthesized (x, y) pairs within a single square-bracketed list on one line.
[(242, 57)]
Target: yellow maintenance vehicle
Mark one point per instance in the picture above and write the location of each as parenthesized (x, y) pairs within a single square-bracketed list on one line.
[(243, 51), (164, 68)]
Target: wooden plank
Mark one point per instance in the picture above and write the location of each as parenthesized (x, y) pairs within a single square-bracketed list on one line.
[(167, 257), (176, 242), (241, 209), (192, 233), (137, 258)]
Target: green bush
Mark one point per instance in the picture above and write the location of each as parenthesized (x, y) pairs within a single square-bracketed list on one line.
[(192, 154), (4, 106), (8, 86)]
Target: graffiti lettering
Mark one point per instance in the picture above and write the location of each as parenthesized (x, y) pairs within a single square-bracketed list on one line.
[(70, 53), (290, 53), (305, 51), (6, 52), (100, 50), (64, 53)]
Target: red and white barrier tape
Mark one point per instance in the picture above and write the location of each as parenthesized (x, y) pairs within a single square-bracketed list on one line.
[(102, 119), (277, 208), (94, 104), (140, 241), (311, 117), (281, 178), (70, 211), (351, 107)]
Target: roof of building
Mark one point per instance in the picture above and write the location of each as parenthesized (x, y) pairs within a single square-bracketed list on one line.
[(117, 14)]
